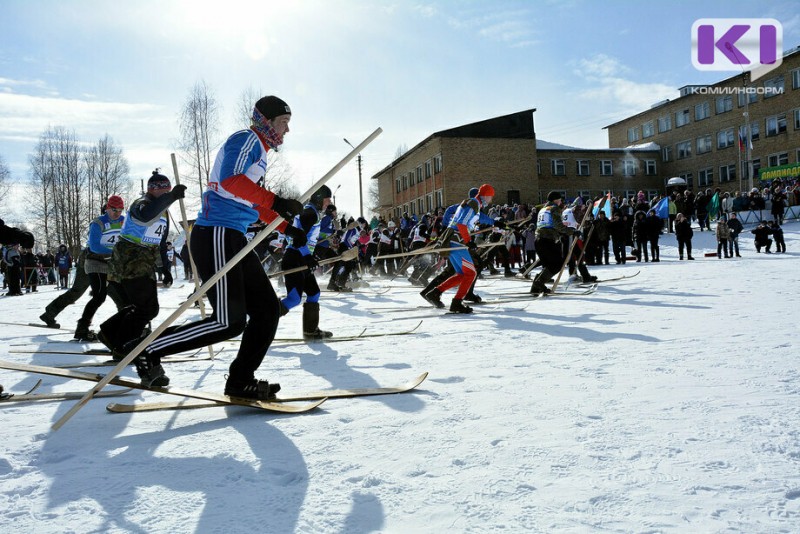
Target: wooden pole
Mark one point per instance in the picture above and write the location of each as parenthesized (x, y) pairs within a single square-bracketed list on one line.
[(205, 287)]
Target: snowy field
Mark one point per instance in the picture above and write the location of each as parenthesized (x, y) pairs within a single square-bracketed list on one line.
[(669, 402)]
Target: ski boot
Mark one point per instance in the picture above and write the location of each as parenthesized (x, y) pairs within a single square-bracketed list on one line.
[(49, 321), (251, 389), (434, 296), (82, 333), (457, 306)]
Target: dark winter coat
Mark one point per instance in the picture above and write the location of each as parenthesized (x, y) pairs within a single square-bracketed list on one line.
[(640, 226), (762, 234), (654, 226), (683, 230), (735, 226)]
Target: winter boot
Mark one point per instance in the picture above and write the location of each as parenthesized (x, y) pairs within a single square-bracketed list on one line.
[(457, 306), (311, 329), (49, 321), (508, 273), (434, 296), (82, 333), (283, 308), (538, 287), (473, 297), (151, 373), (251, 389), (585, 276)]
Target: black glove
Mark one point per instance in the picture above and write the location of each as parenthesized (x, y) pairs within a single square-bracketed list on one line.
[(26, 239), (499, 223), (577, 232), (311, 262), (287, 207), (179, 191), (472, 246), (298, 236)]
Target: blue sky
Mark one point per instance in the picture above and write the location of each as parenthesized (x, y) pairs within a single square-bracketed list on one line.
[(345, 67)]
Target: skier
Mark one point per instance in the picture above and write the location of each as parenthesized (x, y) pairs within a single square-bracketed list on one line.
[(457, 235), (103, 234), (132, 269), (243, 301), (549, 230), (568, 217), (341, 269), (300, 252)]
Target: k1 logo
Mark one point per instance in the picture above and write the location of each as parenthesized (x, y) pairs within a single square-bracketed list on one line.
[(737, 45)]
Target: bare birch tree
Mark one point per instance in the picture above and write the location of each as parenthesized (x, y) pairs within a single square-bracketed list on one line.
[(198, 129), (5, 182), (244, 106), (107, 172), (60, 197)]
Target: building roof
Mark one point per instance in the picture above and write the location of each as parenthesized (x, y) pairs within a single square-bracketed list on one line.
[(517, 125)]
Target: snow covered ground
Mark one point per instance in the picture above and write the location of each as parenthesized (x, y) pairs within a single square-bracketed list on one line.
[(665, 403)]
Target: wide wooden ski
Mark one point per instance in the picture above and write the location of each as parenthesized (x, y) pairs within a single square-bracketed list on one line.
[(64, 395), (329, 394), (169, 390)]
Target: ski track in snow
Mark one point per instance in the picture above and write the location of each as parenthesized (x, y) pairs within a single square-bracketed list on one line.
[(664, 403)]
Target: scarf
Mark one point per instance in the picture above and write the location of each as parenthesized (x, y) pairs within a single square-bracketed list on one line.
[(262, 126)]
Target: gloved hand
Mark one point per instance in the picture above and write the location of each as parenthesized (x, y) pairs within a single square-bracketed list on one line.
[(311, 262), (577, 232), (298, 236), (499, 223), (287, 207), (472, 246), (178, 192), (26, 239)]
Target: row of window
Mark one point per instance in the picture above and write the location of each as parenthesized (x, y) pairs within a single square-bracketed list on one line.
[(727, 173), (421, 205), (630, 167), (702, 110), (585, 193), (726, 138), (421, 173)]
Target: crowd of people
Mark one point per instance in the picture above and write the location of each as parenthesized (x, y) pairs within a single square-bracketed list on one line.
[(127, 252)]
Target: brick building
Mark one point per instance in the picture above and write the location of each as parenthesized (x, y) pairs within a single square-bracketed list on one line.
[(699, 132)]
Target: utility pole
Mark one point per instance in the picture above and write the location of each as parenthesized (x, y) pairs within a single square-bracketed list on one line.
[(360, 189)]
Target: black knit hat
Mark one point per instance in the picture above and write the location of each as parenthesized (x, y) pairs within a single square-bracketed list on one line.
[(272, 106), (553, 195), (158, 181)]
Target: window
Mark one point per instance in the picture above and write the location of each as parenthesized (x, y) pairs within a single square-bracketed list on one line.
[(437, 164), (705, 177), (648, 129), (796, 79), (428, 169), (539, 167), (606, 167), (405, 182), (681, 118), (756, 166), (439, 199), (724, 104), (704, 144), (684, 149), (558, 167), (725, 138), (750, 94), (776, 124), (727, 173), (774, 160), (689, 179), (583, 167), (419, 174), (650, 167), (633, 134), (666, 153), (702, 111), (753, 131), (796, 114), (628, 167), (773, 87), (398, 185), (664, 123), (429, 203), (420, 206)]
